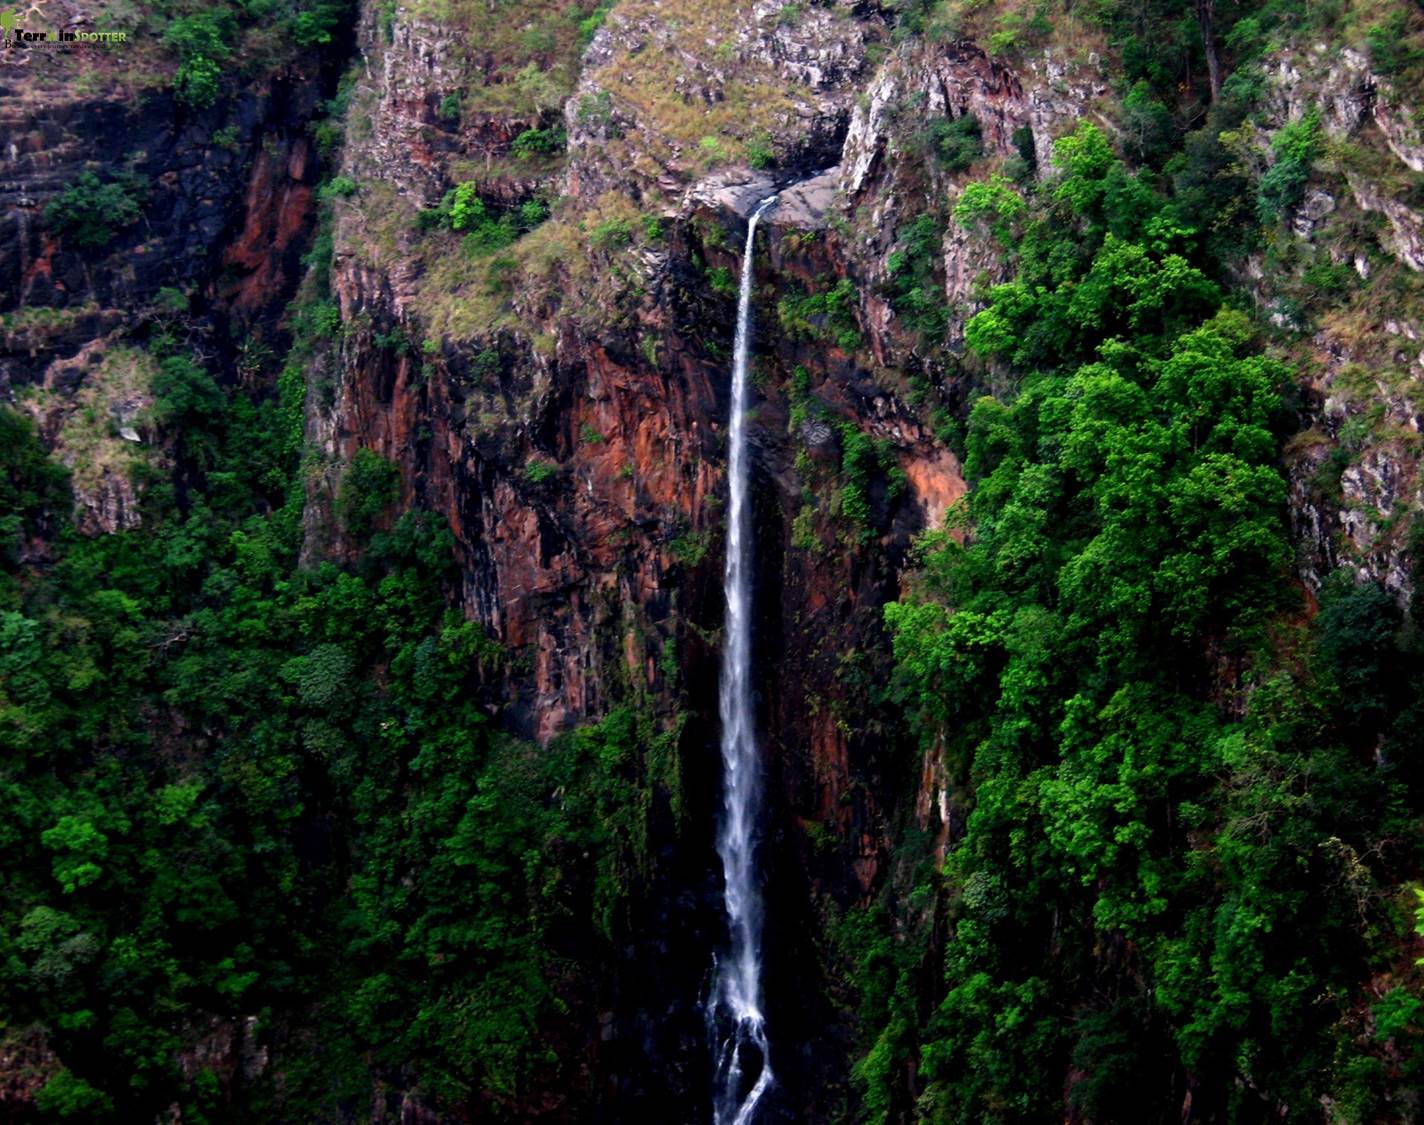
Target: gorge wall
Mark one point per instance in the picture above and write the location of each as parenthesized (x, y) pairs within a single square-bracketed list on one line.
[(557, 391)]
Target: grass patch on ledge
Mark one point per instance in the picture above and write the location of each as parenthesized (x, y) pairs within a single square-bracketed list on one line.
[(523, 54), (579, 263), (681, 60), (89, 441)]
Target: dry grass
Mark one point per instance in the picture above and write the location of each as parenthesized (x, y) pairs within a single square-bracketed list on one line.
[(522, 55), (578, 264), (686, 84), (377, 221), (88, 440), (1011, 28)]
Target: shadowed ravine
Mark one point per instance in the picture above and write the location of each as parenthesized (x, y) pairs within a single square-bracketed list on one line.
[(735, 1019)]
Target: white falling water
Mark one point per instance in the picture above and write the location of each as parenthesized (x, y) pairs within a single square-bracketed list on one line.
[(743, 1068)]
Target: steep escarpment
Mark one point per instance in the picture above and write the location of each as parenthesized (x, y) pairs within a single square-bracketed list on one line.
[(394, 408), (125, 216), (588, 446)]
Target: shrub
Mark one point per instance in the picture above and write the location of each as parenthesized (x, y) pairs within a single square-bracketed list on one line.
[(712, 151), (198, 82), (1391, 52), (486, 364), (464, 209), (90, 212), (202, 41), (319, 320), (313, 28), (955, 144), (993, 202), (760, 153), (32, 487), (489, 236), (1147, 125), (500, 275), (539, 142), (610, 234), (183, 391), (829, 316), (370, 486), (1295, 146), (722, 281), (539, 472), (66, 1095), (1028, 152), (914, 293), (589, 25), (338, 187), (327, 135)]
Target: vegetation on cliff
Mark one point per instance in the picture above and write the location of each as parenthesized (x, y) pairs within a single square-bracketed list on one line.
[(250, 802), (272, 852), (1188, 808)]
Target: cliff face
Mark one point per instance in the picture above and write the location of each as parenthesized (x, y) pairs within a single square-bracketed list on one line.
[(561, 399), (564, 406), (226, 201), (1354, 468)]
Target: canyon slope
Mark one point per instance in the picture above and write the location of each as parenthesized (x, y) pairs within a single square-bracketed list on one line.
[(478, 262)]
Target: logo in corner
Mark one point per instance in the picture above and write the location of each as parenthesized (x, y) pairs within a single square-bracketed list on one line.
[(66, 33)]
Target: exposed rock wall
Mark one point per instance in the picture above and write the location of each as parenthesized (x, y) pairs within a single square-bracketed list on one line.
[(226, 216), (1354, 472), (597, 564)]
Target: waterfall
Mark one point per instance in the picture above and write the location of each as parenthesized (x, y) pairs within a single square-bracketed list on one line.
[(737, 1026)]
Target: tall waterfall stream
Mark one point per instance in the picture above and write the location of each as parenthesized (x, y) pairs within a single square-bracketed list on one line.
[(735, 1020)]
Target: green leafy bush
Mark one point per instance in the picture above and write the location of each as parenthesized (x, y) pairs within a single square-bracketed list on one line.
[(90, 212), (955, 143), (1295, 147), (610, 234), (34, 490), (539, 142), (315, 25), (540, 472), (370, 485), (203, 41), (915, 293), (831, 315), (761, 153), (464, 209), (722, 281), (338, 187), (1396, 45)]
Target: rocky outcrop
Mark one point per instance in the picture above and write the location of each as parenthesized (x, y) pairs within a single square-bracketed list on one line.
[(1045, 96), (1339, 84), (226, 209), (661, 101), (1354, 471), (1405, 238), (1354, 477)]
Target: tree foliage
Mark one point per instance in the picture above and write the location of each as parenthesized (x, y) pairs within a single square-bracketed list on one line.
[(1161, 881), (244, 793)]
